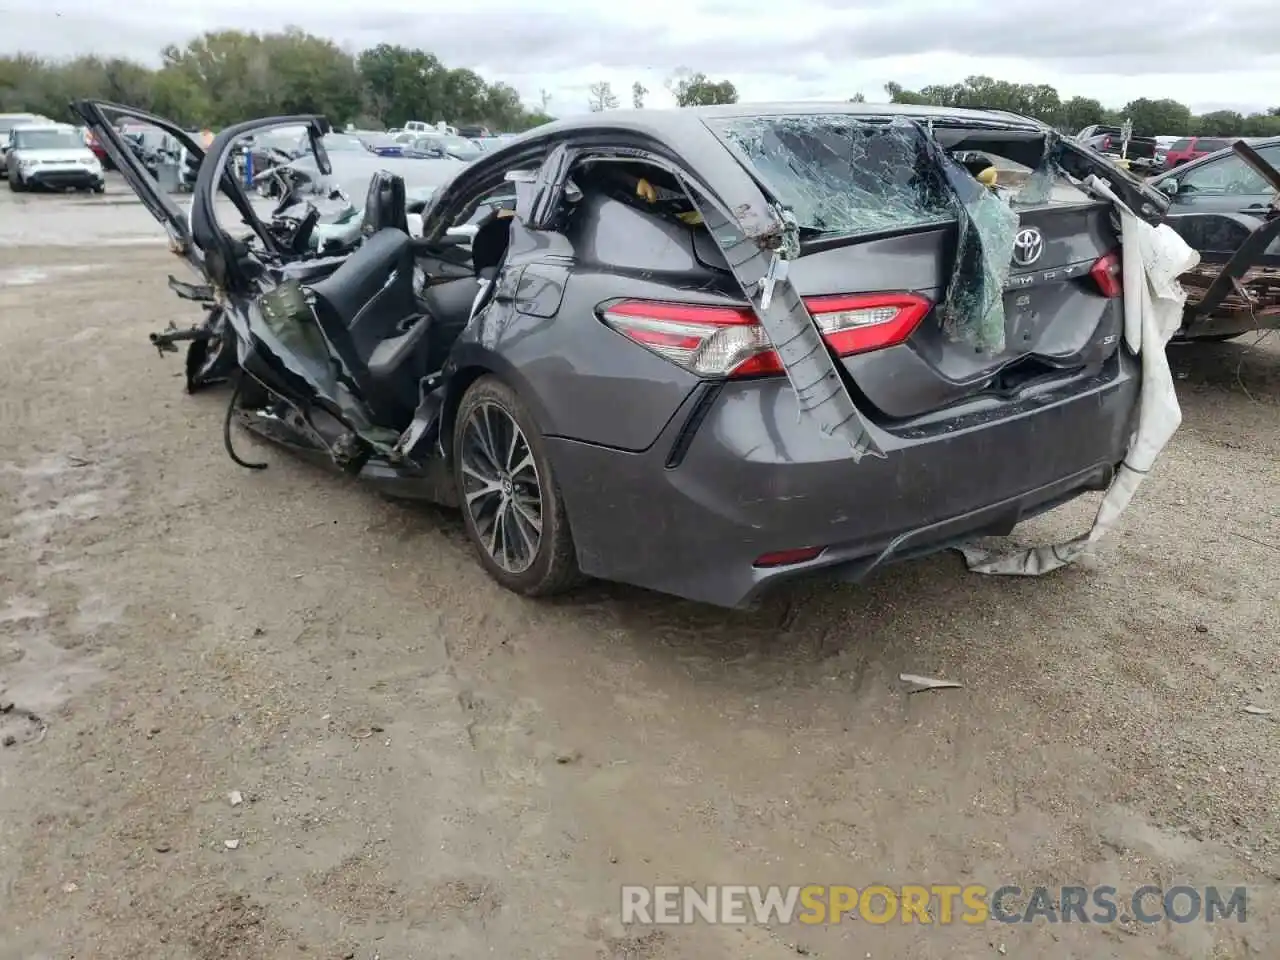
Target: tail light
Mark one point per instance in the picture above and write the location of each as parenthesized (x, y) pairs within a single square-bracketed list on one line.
[(1107, 273), (729, 341), (787, 558)]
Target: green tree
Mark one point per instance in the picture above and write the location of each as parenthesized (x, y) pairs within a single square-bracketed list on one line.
[(234, 67), (858, 98), (309, 74), (402, 84), (1080, 112), (1261, 125), (899, 94), (1157, 118), (602, 97), (638, 91), (1219, 123), (695, 90)]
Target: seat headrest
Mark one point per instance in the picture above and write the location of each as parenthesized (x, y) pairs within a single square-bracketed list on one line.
[(384, 205)]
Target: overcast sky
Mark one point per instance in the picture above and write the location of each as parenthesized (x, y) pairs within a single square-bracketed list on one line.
[(1209, 55)]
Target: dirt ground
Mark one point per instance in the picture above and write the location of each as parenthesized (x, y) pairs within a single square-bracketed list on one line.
[(433, 768)]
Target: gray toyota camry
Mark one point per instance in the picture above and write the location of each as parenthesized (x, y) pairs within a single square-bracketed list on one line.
[(707, 350)]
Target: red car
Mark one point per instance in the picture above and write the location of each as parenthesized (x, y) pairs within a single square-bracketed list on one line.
[(92, 142), (1193, 148)]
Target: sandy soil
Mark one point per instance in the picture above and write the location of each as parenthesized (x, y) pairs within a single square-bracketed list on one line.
[(433, 768)]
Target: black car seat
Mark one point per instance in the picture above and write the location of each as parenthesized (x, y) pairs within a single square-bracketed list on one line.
[(368, 310), (385, 204), (451, 303), (489, 246)]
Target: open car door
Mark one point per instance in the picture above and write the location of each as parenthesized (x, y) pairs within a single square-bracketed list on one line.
[(100, 117)]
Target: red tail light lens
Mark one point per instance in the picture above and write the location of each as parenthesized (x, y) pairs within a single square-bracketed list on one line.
[(857, 324), (729, 341), (708, 341), (787, 558), (1108, 274)]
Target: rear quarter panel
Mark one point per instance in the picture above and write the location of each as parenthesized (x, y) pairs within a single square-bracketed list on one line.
[(584, 381)]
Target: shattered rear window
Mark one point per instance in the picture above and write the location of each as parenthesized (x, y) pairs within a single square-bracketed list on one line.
[(839, 175)]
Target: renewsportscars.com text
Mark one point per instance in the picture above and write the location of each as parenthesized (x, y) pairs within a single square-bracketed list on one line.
[(943, 904)]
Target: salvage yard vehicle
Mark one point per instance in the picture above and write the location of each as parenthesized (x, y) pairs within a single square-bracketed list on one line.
[(53, 156), (1136, 153), (1193, 148), (1225, 205), (7, 122), (703, 350)]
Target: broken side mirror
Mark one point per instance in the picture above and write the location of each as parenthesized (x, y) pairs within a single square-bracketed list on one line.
[(1168, 187)]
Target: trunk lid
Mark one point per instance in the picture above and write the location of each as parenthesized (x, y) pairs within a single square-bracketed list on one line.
[(873, 219)]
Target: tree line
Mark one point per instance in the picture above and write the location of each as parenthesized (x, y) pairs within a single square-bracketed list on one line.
[(228, 76), (689, 89), (1151, 118)]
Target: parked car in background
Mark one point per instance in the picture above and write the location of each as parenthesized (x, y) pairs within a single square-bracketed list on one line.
[(95, 146), (1193, 148), (1139, 152), (442, 145), (474, 131), (151, 145), (54, 156), (383, 144), (1162, 149), (7, 122), (336, 143), (1223, 184), (352, 171), (266, 148)]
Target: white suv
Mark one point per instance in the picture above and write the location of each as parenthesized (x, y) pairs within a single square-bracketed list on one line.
[(7, 122), (51, 155)]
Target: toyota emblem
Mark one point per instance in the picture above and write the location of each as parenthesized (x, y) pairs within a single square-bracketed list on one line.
[(1027, 246)]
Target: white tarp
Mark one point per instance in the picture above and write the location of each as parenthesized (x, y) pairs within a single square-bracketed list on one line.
[(1154, 258)]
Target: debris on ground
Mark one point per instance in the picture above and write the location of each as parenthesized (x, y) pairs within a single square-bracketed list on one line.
[(1258, 711), (927, 683), (231, 844), (235, 797)]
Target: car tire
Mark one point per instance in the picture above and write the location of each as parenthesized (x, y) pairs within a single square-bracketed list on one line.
[(552, 565), (16, 184), (100, 188)]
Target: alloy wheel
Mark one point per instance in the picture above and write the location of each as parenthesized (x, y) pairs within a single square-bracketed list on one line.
[(501, 488)]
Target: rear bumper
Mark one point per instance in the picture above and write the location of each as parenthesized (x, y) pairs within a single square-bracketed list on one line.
[(690, 515)]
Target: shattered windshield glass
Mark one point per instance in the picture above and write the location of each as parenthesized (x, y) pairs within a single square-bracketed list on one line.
[(840, 175), (843, 176)]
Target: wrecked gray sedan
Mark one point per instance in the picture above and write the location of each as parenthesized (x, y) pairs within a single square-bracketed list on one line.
[(706, 350)]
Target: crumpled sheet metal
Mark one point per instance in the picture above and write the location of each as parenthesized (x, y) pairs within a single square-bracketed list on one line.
[(1154, 258), (848, 176), (821, 393), (282, 320)]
